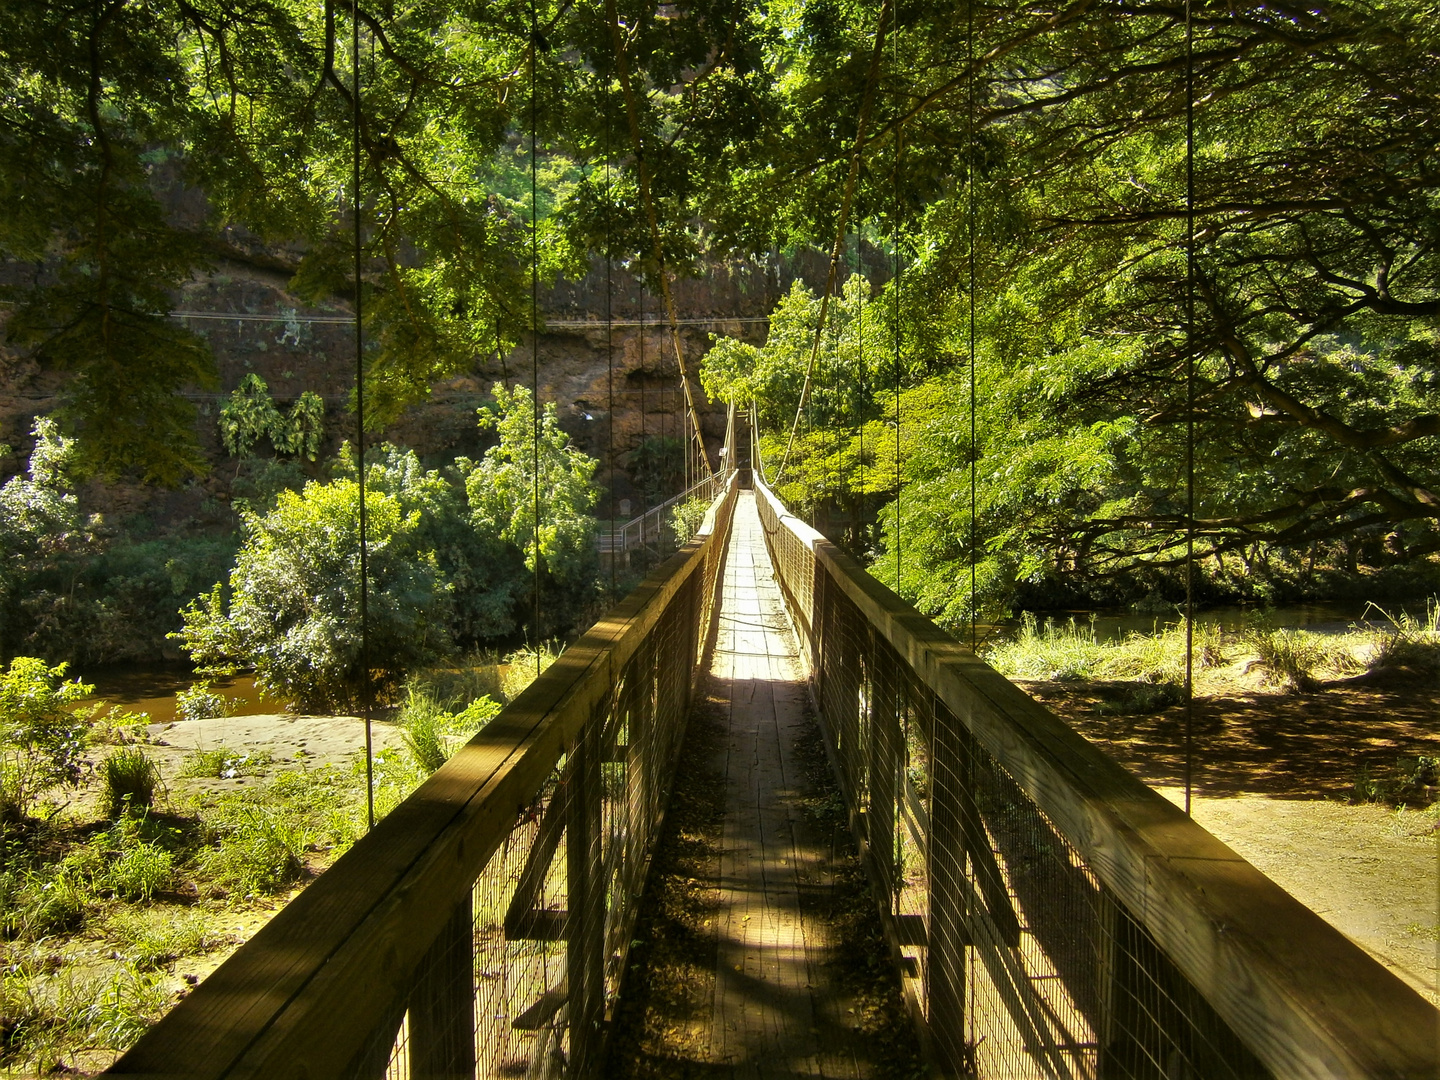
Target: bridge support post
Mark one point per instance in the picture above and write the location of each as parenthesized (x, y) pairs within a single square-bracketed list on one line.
[(883, 756), (945, 957), (442, 1003), (585, 925)]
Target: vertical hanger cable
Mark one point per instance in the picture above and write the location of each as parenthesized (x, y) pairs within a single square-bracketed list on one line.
[(860, 395), (970, 255), (610, 344), (895, 243), (1189, 402), (535, 318), (366, 690)]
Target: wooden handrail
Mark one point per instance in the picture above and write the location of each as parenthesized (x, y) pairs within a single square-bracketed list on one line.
[(303, 996), (1306, 1000)]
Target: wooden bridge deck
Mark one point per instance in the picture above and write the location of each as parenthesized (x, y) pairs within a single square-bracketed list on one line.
[(777, 1011)]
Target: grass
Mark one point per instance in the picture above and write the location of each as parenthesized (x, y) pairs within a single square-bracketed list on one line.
[(96, 914), (1411, 781), (1291, 661), (432, 731), (1070, 651), (223, 763), (153, 937), (130, 780), (49, 1016), (520, 668)]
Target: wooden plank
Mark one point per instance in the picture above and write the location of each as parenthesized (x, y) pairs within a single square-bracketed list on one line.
[(300, 997), (1307, 1000)]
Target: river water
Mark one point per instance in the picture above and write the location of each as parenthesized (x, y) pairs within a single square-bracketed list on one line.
[(151, 688)]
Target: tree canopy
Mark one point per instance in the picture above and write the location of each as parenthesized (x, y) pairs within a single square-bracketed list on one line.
[(1023, 170)]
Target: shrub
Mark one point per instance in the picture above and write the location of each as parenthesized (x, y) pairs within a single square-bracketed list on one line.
[(41, 740), (293, 612), (250, 414), (686, 519), (200, 702), (131, 780)]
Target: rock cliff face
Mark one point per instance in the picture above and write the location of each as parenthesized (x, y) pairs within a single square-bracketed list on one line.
[(614, 384)]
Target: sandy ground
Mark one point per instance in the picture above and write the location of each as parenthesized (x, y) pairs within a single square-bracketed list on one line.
[(1370, 872), (289, 740), (1273, 776)]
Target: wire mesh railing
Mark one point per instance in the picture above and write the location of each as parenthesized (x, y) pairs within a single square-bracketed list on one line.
[(653, 528), (1052, 916), (482, 928)]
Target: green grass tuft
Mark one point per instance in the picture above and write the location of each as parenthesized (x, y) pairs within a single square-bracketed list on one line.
[(130, 780)]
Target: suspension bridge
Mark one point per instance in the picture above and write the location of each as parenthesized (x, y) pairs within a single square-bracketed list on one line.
[(1049, 915)]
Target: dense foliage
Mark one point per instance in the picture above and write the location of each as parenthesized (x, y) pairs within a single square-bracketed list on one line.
[(1022, 171), (452, 561), (76, 587), (1028, 173)]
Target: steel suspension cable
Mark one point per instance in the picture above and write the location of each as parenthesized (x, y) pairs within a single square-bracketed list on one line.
[(837, 250), (642, 170), (367, 704)]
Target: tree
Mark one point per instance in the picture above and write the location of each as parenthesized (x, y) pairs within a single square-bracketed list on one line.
[(485, 574), (1046, 150), (504, 497), (140, 142), (293, 606), (40, 521)]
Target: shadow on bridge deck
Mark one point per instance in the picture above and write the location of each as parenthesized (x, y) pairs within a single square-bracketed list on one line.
[(778, 884)]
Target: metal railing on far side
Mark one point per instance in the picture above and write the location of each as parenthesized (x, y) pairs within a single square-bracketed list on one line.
[(1052, 915), (481, 929)]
